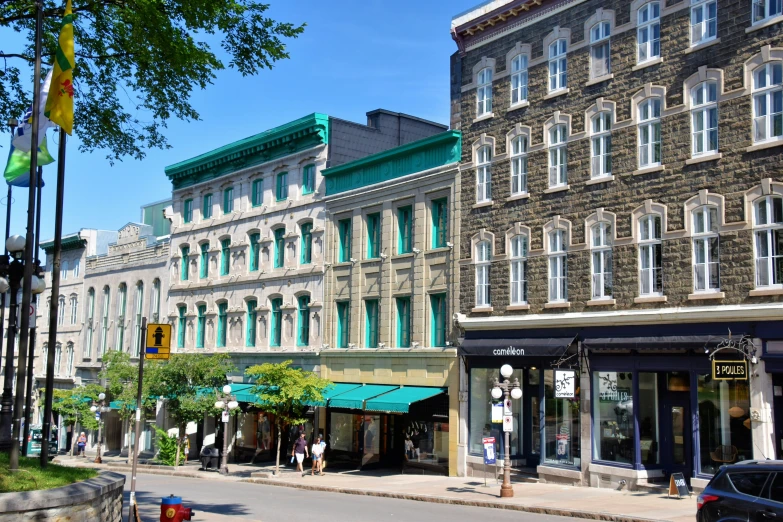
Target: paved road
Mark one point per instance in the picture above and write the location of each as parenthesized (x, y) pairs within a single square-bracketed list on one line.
[(217, 501)]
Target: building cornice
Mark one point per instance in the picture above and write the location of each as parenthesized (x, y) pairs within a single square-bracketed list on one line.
[(69, 242)]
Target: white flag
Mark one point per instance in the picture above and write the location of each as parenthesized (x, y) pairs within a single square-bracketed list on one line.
[(23, 134)]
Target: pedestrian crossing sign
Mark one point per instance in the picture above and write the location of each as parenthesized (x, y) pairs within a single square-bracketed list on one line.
[(158, 341)]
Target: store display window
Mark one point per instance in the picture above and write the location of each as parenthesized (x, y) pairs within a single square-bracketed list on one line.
[(562, 434), (613, 423), (724, 423)]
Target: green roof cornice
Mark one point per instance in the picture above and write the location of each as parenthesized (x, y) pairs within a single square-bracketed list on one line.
[(290, 138), (69, 242), (429, 153)]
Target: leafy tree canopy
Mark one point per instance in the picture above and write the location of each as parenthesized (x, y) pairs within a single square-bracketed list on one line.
[(122, 378), (138, 61), (286, 391), (74, 405)]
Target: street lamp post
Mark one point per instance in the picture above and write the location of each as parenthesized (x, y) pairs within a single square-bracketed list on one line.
[(508, 390), (98, 410), (225, 402)]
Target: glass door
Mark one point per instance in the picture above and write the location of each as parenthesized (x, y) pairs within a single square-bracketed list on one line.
[(677, 426), (777, 406)]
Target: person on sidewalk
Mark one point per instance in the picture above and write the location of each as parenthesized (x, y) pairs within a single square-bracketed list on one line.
[(300, 452), (318, 453), (81, 443)]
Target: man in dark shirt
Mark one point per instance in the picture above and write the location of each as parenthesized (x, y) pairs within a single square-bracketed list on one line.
[(300, 451)]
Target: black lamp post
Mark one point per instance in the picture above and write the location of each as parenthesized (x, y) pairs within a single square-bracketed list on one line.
[(508, 390)]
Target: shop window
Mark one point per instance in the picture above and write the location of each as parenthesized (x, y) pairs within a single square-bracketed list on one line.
[(649, 440), (250, 327), (343, 324), (201, 326), (601, 247), (343, 432), (404, 230), (724, 423), (704, 21), (279, 247), (519, 79), (344, 233), (601, 150), (371, 323), (484, 93), (225, 256), (222, 326), (706, 250), (613, 425), (481, 382), (519, 165), (484, 175), (188, 212), (206, 206), (277, 323), (648, 32), (257, 192), (562, 434), (768, 239)]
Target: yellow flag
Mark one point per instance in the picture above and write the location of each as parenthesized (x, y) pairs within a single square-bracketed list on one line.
[(59, 104)]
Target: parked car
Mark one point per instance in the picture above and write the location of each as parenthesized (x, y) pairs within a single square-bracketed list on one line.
[(34, 442), (751, 490)]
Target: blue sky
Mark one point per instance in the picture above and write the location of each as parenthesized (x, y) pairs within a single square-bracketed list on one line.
[(354, 56)]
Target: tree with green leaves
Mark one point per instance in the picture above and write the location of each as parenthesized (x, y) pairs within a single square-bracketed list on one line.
[(189, 383), (139, 61), (286, 392), (73, 407)]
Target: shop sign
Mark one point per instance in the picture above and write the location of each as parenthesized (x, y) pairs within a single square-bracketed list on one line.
[(565, 384), (489, 450), (678, 486), (497, 413), (508, 423), (562, 446), (608, 391), (730, 370)]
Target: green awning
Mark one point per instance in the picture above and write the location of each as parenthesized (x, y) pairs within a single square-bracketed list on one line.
[(116, 405), (354, 399), (333, 390), (399, 400), (243, 392)]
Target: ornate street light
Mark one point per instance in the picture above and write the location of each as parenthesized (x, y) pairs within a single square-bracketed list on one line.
[(225, 402), (508, 390), (98, 410)]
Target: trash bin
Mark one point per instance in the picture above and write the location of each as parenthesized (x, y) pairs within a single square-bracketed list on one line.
[(210, 458)]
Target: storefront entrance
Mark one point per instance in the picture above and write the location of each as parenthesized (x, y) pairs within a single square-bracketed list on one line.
[(777, 405), (678, 435)]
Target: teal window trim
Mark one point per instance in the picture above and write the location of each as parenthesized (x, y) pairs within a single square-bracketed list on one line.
[(250, 330), (225, 256), (403, 322), (185, 251), (438, 319), (344, 230), (281, 186), (201, 326), (373, 235), (222, 325), (303, 337), (306, 256), (405, 230), (279, 248), (440, 225), (257, 197), (181, 324), (255, 251), (343, 323), (188, 211), (204, 261), (206, 206), (277, 323), (308, 179), (371, 322), (228, 200)]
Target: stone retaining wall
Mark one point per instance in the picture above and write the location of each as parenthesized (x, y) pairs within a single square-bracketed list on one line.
[(95, 500)]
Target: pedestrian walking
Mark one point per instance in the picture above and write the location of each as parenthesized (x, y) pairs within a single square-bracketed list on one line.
[(318, 454), (81, 443), (300, 452)]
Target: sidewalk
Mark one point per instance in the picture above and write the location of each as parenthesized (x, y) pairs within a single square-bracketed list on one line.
[(551, 499)]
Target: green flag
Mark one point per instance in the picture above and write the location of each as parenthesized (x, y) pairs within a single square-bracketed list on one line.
[(17, 171)]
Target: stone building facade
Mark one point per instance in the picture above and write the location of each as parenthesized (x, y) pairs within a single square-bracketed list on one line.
[(619, 190)]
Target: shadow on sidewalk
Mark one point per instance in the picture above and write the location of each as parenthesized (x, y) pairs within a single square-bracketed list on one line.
[(149, 506)]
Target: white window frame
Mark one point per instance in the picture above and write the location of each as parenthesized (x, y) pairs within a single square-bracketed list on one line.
[(90, 316), (105, 321), (76, 269), (484, 174), (558, 267), (601, 268), (707, 241), (649, 122), (599, 44), (704, 119), (69, 352), (74, 310), (64, 271), (519, 79), (137, 319), (58, 354), (484, 92), (601, 145), (704, 24), (558, 65), (519, 149), (648, 21), (518, 269), (650, 244), (763, 10), (61, 310), (558, 155), (483, 263), (765, 228), (765, 94)]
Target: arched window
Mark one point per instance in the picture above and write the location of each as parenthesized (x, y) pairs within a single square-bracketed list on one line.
[(484, 174), (181, 325), (706, 250), (69, 359), (251, 319), (648, 32), (600, 60), (61, 310), (185, 271), (558, 78), (122, 303), (484, 92), (255, 251), (90, 323), (768, 102), (222, 326), (138, 312), (519, 270), (650, 256), (105, 320), (766, 9), (519, 79), (279, 247), (201, 325), (204, 260), (519, 165), (44, 357), (650, 133), (768, 234), (704, 21), (303, 337), (58, 353), (155, 301), (483, 263), (704, 118), (601, 161), (558, 172), (63, 270), (276, 337), (306, 251), (74, 309), (558, 267), (601, 248), (225, 256)]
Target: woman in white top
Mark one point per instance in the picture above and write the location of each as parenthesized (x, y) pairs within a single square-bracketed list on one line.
[(318, 454)]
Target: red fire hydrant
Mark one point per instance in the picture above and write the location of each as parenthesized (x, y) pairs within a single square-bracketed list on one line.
[(171, 510)]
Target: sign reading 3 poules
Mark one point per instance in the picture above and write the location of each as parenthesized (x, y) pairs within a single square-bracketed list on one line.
[(730, 370), (158, 341)]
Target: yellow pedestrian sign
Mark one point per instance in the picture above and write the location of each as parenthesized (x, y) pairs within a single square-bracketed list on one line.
[(158, 341)]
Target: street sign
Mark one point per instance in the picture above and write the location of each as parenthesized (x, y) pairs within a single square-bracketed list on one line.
[(508, 423), (497, 413), (158, 341)]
